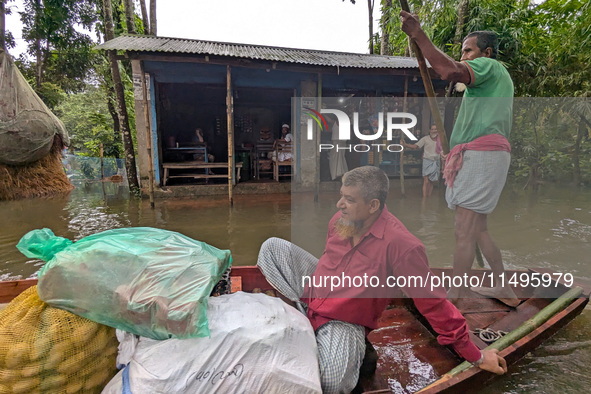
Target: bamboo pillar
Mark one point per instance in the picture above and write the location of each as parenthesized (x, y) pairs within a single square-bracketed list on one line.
[(102, 164), (102, 172), (317, 152), (148, 135), (402, 188), (230, 113)]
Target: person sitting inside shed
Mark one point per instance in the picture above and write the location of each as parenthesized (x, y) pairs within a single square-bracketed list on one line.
[(285, 140), (200, 141)]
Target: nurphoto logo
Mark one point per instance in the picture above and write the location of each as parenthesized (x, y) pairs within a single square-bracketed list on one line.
[(371, 136)]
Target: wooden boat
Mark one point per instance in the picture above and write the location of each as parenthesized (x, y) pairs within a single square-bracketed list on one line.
[(411, 360)]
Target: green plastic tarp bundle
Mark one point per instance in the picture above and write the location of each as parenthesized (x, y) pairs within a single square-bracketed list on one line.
[(147, 281), (27, 126)]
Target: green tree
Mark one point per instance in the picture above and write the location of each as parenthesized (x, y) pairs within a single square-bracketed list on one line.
[(6, 38), (62, 54), (87, 119)]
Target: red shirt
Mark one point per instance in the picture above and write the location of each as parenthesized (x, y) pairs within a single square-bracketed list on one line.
[(387, 249)]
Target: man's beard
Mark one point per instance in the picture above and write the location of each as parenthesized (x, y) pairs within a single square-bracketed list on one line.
[(347, 229)]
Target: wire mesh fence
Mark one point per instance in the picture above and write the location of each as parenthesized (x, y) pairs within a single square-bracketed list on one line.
[(84, 168)]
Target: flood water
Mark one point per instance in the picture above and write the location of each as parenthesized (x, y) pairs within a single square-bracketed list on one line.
[(550, 228)]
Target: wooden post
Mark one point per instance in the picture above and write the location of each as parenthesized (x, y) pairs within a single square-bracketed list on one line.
[(230, 113), (102, 164), (402, 188), (102, 172), (148, 135), (317, 152)]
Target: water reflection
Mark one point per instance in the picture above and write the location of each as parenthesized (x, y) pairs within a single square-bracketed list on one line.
[(549, 229), (87, 210)]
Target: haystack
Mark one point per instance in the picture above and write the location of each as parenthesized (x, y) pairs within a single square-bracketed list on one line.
[(41, 178)]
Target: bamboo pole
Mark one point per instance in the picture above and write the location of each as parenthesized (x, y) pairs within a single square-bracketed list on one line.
[(148, 135), (527, 327), (102, 164), (479, 259), (317, 152), (429, 90), (230, 113), (102, 172), (404, 105)]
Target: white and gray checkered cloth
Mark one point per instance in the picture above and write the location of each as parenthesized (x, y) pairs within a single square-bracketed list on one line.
[(341, 345), (480, 181), (431, 169)]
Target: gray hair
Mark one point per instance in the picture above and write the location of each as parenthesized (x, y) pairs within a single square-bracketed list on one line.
[(486, 39), (372, 181)]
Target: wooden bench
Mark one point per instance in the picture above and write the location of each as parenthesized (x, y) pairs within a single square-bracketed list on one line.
[(197, 165)]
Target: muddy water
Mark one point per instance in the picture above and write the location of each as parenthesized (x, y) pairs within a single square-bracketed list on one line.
[(550, 228)]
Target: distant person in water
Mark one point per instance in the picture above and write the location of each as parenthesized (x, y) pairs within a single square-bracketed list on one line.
[(431, 159)]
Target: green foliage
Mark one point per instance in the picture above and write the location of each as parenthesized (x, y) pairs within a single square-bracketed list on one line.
[(89, 123), (51, 94), (546, 47), (62, 54), (88, 170)]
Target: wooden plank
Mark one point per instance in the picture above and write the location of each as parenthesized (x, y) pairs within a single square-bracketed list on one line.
[(9, 290), (198, 176), (192, 165), (230, 131), (409, 353), (251, 278), (198, 165), (523, 312)]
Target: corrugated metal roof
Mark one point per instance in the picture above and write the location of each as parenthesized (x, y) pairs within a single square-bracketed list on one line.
[(258, 52)]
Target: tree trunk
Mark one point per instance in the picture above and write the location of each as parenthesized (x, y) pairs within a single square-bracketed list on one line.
[(2, 27), (121, 107), (113, 112), (38, 65), (153, 18), (130, 16), (38, 53), (370, 9), (462, 12), (145, 19), (385, 48)]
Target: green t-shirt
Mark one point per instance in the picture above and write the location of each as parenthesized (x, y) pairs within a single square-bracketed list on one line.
[(487, 106)]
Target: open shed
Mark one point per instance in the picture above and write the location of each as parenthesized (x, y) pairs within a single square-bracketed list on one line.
[(240, 95)]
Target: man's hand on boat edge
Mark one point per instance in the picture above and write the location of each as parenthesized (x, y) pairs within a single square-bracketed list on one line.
[(492, 362)]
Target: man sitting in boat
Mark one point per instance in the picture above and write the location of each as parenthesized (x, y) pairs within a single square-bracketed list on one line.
[(364, 239)]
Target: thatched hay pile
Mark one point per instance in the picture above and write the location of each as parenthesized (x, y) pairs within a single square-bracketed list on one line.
[(41, 178)]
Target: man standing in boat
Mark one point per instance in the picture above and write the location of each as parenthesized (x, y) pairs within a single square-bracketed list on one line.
[(477, 165), (364, 240)]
